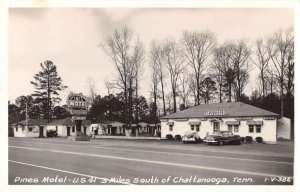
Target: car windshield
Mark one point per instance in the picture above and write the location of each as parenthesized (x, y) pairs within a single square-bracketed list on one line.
[(216, 134)]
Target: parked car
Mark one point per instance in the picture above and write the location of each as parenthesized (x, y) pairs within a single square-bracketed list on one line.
[(191, 136), (223, 137)]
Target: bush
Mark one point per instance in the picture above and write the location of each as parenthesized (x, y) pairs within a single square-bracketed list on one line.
[(169, 136), (259, 139), (177, 137), (248, 139), (51, 133), (243, 139)]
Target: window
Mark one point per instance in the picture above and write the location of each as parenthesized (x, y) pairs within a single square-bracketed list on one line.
[(216, 126), (230, 128), (23, 128), (236, 128), (16, 128), (73, 129), (170, 127), (56, 128), (258, 128), (251, 128), (197, 128), (192, 127), (30, 129)]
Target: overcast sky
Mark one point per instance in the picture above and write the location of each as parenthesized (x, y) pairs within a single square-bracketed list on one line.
[(70, 37)]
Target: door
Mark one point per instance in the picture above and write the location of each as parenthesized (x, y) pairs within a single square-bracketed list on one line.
[(113, 130), (216, 126), (84, 130), (41, 131), (68, 131)]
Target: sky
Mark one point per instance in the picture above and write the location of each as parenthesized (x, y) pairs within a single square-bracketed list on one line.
[(70, 37)]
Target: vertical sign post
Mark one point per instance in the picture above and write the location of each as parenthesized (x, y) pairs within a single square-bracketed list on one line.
[(78, 107)]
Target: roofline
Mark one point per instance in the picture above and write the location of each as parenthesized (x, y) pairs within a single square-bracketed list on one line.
[(277, 115)]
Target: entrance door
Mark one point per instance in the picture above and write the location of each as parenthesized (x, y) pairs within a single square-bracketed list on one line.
[(216, 126), (41, 131), (84, 130), (68, 131), (113, 130)]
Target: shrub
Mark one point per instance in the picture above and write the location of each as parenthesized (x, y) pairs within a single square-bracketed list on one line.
[(243, 139), (177, 137), (259, 139), (169, 136), (51, 133), (158, 134), (248, 139)]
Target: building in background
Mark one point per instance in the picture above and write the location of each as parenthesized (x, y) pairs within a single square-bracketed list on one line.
[(239, 118), (31, 128)]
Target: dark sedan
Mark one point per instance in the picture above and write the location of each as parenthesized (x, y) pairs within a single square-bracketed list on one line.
[(223, 137)]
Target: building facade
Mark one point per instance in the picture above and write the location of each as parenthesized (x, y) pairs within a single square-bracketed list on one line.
[(66, 127), (239, 118), (31, 128)]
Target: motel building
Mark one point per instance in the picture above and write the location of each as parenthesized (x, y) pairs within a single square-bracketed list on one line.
[(30, 128), (66, 127), (239, 118)]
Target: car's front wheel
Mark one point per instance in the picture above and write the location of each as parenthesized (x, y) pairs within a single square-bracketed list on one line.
[(221, 143)]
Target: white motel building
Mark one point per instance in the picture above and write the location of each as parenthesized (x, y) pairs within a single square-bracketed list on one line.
[(239, 118)]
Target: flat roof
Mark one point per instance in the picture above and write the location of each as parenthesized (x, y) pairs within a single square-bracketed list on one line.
[(229, 109)]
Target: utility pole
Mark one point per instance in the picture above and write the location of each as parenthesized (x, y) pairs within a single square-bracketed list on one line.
[(26, 117)]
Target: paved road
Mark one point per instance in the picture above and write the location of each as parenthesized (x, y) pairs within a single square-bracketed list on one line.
[(59, 161)]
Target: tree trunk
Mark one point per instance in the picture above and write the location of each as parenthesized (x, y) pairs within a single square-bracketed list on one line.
[(174, 100), (163, 95), (229, 92)]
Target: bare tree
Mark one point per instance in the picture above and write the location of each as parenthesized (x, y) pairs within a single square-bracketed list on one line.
[(175, 65), (281, 44), (109, 86), (222, 67), (157, 54), (261, 60), (154, 82), (184, 90), (91, 85), (240, 54), (125, 52), (198, 46)]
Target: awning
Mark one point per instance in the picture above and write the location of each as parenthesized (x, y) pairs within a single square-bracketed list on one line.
[(254, 122), (194, 123), (232, 123), (170, 123), (215, 120)]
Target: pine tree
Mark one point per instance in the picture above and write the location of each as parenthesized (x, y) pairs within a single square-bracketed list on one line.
[(48, 84)]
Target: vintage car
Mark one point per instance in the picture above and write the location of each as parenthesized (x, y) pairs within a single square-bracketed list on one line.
[(223, 137), (191, 136)]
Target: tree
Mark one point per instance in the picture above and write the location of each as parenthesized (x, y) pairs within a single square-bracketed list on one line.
[(109, 86), (280, 50), (208, 89), (91, 86), (175, 65), (239, 54), (154, 79), (229, 76), (156, 56), (48, 84), (262, 61), (184, 91), (221, 65), (125, 52), (198, 46), (61, 112)]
